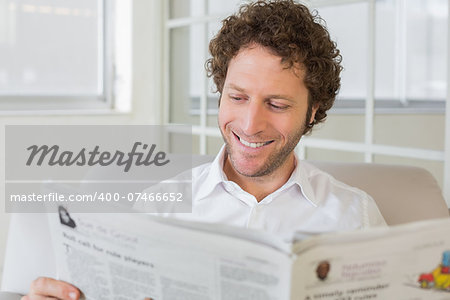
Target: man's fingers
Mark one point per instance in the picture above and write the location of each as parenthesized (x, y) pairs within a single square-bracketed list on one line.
[(49, 287)]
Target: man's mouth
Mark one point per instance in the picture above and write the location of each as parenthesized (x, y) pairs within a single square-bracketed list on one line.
[(250, 144)]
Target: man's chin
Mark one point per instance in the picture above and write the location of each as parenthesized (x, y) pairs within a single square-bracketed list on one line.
[(248, 169), (248, 165), (250, 174)]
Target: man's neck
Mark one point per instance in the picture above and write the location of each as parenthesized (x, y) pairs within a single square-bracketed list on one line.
[(261, 186)]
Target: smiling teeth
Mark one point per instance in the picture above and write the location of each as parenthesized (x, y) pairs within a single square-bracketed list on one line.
[(252, 145)]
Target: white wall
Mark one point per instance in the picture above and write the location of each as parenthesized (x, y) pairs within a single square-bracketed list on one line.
[(404, 130), (146, 94)]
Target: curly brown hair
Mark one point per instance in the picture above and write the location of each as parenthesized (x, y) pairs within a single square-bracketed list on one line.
[(290, 31)]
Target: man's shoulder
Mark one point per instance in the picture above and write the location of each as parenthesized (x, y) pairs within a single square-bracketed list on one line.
[(180, 186), (330, 190), (320, 179)]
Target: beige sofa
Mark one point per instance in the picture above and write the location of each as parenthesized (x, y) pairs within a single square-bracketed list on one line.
[(403, 194)]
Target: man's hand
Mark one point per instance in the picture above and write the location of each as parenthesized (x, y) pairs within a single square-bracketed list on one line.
[(44, 288)]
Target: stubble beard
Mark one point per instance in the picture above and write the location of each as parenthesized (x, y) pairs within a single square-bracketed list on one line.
[(273, 162)]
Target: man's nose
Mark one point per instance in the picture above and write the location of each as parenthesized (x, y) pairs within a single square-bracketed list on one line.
[(254, 118)]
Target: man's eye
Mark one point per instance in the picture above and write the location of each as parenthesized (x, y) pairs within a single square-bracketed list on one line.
[(278, 107), (236, 98)]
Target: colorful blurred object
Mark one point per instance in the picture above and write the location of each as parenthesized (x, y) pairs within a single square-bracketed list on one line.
[(439, 278)]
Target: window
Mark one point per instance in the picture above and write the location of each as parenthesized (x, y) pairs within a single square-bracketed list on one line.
[(410, 50), (57, 54)]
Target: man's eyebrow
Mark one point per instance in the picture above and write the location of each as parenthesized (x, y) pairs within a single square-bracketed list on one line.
[(274, 96), (283, 97), (235, 87)]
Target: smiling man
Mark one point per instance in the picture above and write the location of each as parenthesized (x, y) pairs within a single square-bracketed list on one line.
[(262, 116), (277, 73)]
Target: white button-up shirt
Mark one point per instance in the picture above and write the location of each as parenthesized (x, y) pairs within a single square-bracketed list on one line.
[(311, 200)]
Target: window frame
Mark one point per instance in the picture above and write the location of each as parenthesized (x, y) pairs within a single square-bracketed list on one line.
[(48, 103)]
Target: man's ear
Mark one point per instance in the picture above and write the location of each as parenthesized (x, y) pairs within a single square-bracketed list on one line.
[(313, 113)]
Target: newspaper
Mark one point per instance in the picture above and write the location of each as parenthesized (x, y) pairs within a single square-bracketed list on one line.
[(410, 261), (137, 256)]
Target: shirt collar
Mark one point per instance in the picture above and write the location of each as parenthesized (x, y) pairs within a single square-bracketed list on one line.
[(216, 176), (300, 177)]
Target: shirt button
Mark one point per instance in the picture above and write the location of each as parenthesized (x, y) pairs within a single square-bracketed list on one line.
[(255, 217), (256, 211)]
